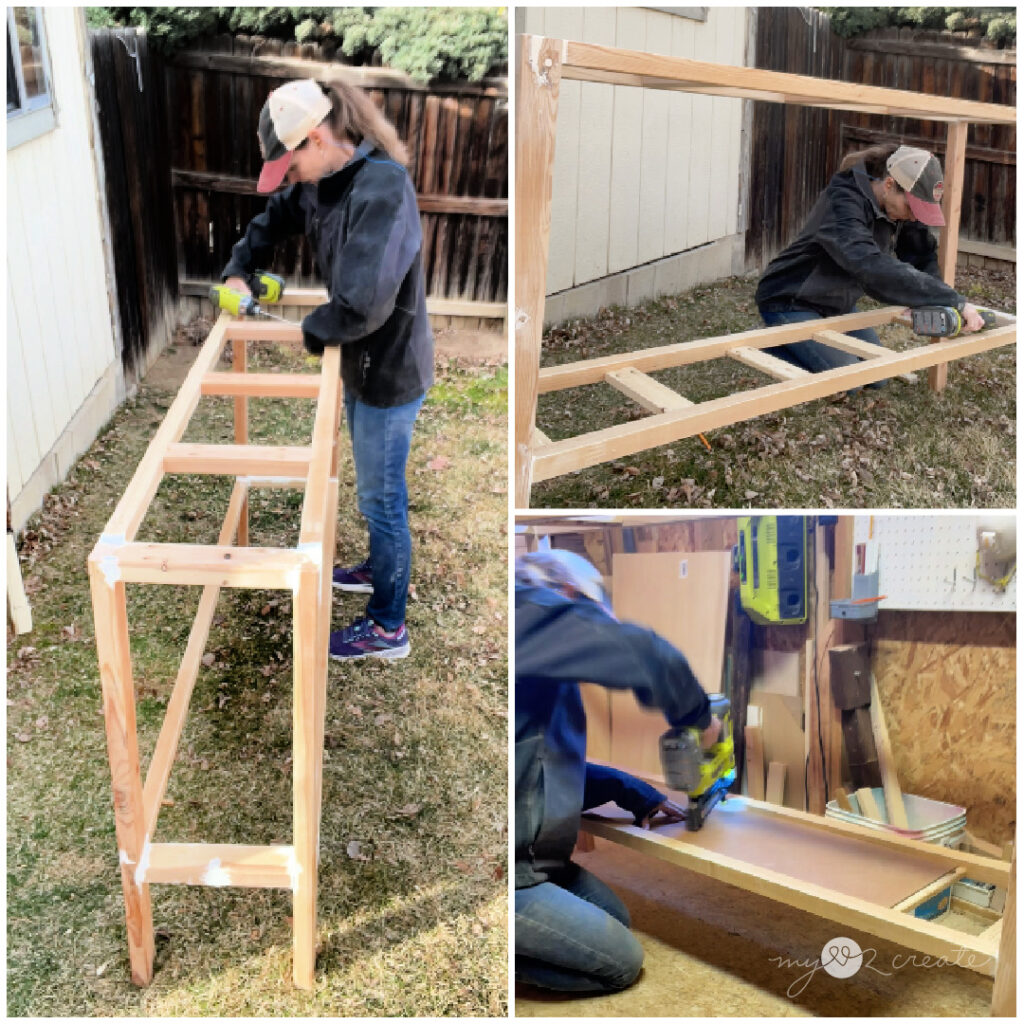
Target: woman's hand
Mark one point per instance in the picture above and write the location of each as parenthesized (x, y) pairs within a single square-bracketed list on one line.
[(237, 284), (972, 319), (669, 812)]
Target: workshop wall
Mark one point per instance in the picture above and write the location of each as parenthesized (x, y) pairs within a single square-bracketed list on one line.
[(947, 682)]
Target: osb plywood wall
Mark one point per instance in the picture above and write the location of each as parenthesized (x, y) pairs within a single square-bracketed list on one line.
[(947, 682)]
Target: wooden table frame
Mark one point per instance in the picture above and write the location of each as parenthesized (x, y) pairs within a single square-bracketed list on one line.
[(542, 64), (895, 924), (304, 571)]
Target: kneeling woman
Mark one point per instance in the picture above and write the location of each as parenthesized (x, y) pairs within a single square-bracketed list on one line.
[(867, 234)]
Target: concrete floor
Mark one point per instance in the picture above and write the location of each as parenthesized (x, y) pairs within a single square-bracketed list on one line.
[(714, 950)]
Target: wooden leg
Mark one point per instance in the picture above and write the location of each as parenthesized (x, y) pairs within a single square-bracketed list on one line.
[(537, 84), (956, 152), (304, 769), (111, 616), (240, 365), (1004, 991)]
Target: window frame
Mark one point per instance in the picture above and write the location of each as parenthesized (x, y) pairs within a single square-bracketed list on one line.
[(36, 116)]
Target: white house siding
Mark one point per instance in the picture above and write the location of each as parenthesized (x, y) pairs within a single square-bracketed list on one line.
[(641, 175), (63, 372)]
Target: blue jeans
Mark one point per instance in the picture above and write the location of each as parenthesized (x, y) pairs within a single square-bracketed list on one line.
[(572, 935), (380, 448), (813, 355)]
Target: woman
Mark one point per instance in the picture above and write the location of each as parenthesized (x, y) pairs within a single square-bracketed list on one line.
[(349, 192), (867, 234), (572, 932)]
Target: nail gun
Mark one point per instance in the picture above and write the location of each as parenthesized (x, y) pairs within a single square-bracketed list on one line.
[(704, 775)]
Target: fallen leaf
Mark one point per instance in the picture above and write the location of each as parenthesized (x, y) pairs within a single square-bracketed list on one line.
[(440, 462), (355, 850), (409, 810), (23, 737), (209, 659)]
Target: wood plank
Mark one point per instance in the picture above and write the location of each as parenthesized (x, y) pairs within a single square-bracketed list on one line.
[(159, 771), (683, 597), (675, 845), (925, 894), (766, 363), (662, 357), (848, 343), (646, 391), (894, 807), (729, 80), (843, 800), (221, 864), (625, 439), (775, 788), (1004, 991), (952, 202), (868, 805), (537, 83), (237, 459), (754, 762), (262, 385)]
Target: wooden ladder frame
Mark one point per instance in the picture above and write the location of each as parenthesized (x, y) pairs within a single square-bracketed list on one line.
[(894, 924), (304, 571), (542, 63)]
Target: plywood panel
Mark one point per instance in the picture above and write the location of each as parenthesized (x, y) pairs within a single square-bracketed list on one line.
[(683, 597), (843, 864)]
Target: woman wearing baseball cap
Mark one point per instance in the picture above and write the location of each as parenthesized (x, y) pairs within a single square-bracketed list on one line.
[(867, 234), (347, 189)]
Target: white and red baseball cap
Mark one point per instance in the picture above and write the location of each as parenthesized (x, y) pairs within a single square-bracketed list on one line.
[(919, 174), (289, 115)]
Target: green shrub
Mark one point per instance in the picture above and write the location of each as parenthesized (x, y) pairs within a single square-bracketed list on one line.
[(998, 24)]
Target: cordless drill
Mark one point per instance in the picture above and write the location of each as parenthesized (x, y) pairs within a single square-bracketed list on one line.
[(265, 286), (704, 775), (943, 321)]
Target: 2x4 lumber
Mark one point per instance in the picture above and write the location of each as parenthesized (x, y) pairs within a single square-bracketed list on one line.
[(754, 761), (237, 459), (625, 439), (843, 800), (869, 806), (131, 509), (221, 864), (848, 343), (304, 755), (242, 330), (776, 786), (110, 614), (539, 438), (652, 395), (890, 783), (767, 363), (537, 83), (803, 89), (984, 869), (847, 911), (684, 353), (166, 748), (320, 453), (199, 565), (925, 894), (1004, 991), (262, 385), (952, 199), (239, 368)]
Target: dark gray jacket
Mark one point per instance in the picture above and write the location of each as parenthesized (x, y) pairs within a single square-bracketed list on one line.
[(364, 227), (560, 641), (847, 248)]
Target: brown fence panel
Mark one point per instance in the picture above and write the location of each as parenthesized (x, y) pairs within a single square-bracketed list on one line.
[(457, 137), (794, 151), (130, 105)]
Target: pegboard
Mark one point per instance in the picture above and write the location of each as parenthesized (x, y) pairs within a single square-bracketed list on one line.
[(927, 562)]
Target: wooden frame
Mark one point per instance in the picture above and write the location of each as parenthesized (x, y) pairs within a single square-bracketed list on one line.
[(542, 64), (894, 924), (304, 570)]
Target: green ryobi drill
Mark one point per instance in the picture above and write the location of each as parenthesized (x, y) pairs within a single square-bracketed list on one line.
[(704, 775), (265, 287)]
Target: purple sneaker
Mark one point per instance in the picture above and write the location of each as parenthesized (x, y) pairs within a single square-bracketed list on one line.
[(365, 639), (358, 579)]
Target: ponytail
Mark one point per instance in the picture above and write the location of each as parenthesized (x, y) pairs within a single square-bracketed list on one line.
[(873, 158), (355, 116)]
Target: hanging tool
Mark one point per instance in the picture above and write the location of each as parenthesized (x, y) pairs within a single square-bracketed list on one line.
[(704, 775), (944, 321)]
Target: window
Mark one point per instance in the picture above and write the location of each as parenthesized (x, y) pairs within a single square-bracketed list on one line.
[(29, 100)]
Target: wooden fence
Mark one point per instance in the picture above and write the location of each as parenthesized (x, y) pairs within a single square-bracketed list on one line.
[(137, 184), (457, 135), (794, 153)]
